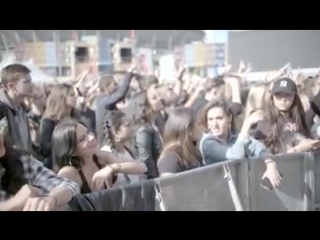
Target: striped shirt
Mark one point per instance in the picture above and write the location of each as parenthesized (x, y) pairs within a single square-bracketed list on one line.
[(38, 176)]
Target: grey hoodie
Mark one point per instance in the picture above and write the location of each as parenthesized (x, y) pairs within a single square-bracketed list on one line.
[(214, 150)]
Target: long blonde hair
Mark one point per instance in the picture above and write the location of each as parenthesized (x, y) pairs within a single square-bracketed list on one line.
[(256, 97), (56, 107)]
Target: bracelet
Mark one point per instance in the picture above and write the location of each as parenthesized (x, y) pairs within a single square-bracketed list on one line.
[(269, 161), (115, 170)]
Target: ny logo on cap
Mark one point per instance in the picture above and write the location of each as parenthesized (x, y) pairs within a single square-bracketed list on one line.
[(283, 84)]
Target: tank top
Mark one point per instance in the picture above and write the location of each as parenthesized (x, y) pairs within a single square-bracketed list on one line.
[(85, 186)]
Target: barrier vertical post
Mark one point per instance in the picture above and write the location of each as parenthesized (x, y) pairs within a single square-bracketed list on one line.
[(310, 182)]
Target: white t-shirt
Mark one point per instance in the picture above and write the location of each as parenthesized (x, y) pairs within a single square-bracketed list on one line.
[(121, 181)]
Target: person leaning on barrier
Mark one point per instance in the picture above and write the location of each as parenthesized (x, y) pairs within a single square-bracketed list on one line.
[(25, 183), (118, 131), (219, 144), (179, 151), (284, 113), (78, 156)]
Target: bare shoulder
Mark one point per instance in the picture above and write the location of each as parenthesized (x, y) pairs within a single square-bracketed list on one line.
[(68, 170), (70, 173)]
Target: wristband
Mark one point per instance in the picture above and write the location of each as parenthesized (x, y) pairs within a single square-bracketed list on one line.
[(269, 161), (115, 169)]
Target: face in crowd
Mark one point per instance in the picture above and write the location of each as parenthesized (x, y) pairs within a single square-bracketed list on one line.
[(17, 80), (283, 94), (154, 98), (217, 118), (73, 140)]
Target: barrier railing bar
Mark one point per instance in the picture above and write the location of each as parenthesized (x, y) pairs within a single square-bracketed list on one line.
[(305, 173), (251, 175), (246, 197), (311, 182), (316, 206), (233, 189), (245, 173)]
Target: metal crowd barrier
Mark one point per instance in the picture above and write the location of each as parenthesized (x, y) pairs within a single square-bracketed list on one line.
[(228, 186)]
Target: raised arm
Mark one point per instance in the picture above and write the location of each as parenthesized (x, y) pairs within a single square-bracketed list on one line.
[(118, 95)]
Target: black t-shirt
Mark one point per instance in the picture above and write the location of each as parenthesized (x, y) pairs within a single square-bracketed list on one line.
[(88, 117), (170, 163)]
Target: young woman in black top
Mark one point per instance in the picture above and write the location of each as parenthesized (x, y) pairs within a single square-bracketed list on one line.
[(144, 108), (179, 149), (284, 112), (78, 157), (60, 105)]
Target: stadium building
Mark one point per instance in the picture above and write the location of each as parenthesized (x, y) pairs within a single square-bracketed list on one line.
[(157, 39)]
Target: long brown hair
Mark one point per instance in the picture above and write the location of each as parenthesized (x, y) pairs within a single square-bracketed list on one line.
[(274, 139), (56, 107), (139, 108), (177, 136)]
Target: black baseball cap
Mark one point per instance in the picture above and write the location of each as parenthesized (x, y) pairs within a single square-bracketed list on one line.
[(285, 85)]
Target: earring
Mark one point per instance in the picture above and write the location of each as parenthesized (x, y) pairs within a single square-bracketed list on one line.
[(70, 162), (117, 139)]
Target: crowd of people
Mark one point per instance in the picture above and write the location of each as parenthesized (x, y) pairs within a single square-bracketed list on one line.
[(97, 133)]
